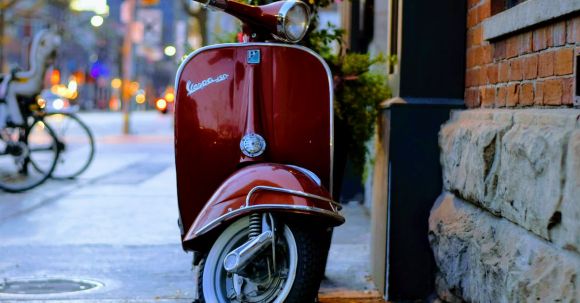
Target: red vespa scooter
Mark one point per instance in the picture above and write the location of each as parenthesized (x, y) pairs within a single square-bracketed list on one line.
[(253, 149)]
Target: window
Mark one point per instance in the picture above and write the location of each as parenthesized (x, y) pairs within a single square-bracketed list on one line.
[(498, 6)]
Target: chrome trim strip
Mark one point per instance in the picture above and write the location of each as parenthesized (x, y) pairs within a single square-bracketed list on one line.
[(328, 72), (231, 214), (333, 205), (307, 172)]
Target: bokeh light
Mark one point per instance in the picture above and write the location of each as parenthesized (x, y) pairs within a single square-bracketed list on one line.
[(97, 21)]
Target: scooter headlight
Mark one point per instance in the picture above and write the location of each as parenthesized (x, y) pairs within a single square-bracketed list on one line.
[(293, 21)]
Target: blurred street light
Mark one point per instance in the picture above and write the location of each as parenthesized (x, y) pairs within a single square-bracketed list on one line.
[(134, 87), (170, 97), (140, 98), (97, 21), (161, 105), (98, 6), (116, 83), (170, 51)]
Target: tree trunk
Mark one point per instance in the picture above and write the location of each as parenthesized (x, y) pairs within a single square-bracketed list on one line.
[(4, 5), (2, 40)]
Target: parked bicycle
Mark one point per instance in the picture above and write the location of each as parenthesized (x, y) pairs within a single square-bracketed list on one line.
[(38, 139), (28, 148), (75, 139)]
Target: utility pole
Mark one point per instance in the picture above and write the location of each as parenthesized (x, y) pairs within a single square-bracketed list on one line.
[(4, 5), (127, 52)]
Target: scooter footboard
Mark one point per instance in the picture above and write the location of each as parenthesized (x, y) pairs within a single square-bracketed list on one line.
[(274, 188)]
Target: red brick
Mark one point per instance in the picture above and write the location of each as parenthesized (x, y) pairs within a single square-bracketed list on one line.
[(577, 29), (513, 46), (531, 67), (484, 10), (513, 92), (570, 31), (472, 17), (472, 3), (482, 75), (472, 98), (504, 69), (549, 36), (559, 33), (476, 35), (540, 39), (500, 99), (492, 73), (539, 93), (553, 92), (499, 50), (546, 64), (470, 58), (487, 96), (516, 69), (564, 61), (477, 55), (568, 91), (487, 53), (527, 94), (526, 43), (470, 78)]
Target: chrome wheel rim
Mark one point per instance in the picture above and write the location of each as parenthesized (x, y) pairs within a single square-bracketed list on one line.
[(259, 283)]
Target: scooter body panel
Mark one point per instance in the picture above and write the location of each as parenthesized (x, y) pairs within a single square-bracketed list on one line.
[(223, 92), (275, 187)]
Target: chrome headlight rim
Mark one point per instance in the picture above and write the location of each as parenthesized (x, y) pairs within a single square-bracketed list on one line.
[(282, 16)]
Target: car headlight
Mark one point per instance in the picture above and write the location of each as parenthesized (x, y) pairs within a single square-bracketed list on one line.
[(293, 21)]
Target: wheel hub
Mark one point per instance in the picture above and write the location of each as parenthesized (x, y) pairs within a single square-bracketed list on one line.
[(258, 283)]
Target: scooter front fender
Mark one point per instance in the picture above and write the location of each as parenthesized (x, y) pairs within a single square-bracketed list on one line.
[(265, 187)]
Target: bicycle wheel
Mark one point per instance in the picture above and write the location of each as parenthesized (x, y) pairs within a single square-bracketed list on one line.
[(27, 156), (76, 143)]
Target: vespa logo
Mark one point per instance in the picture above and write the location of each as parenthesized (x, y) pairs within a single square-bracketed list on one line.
[(193, 87)]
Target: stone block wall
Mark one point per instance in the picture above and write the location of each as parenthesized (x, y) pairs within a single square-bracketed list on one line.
[(532, 67), (507, 227)]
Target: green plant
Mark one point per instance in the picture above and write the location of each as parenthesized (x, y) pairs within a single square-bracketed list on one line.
[(358, 95)]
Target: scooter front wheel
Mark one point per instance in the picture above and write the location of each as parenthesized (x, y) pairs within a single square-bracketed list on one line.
[(294, 277)]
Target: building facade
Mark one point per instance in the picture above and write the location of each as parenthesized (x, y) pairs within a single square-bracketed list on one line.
[(507, 226), (503, 224)]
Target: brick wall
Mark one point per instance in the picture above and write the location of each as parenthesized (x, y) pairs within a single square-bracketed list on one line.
[(535, 67)]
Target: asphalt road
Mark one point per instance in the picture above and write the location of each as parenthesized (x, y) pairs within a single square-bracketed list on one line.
[(116, 225)]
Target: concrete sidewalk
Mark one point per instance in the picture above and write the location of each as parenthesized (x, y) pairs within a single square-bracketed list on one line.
[(117, 224), (348, 267)]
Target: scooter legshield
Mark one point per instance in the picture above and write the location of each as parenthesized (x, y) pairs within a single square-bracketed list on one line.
[(281, 92)]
